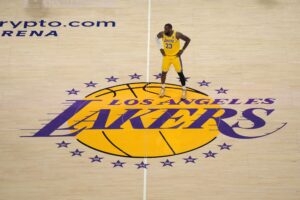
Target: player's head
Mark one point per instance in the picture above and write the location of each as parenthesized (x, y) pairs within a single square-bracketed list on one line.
[(168, 29)]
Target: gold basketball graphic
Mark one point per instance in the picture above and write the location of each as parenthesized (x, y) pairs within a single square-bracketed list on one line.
[(131, 120)]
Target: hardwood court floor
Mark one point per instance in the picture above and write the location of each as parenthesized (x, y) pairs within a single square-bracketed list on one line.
[(249, 47)]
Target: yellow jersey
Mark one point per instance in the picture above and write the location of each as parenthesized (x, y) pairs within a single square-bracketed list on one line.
[(171, 44)]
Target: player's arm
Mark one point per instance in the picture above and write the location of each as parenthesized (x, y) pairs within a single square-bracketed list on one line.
[(186, 39), (159, 43)]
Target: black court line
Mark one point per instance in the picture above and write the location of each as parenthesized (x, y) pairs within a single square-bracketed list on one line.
[(176, 88), (145, 86), (147, 90), (104, 94), (167, 143), (130, 88), (112, 91), (115, 145), (143, 156), (191, 89)]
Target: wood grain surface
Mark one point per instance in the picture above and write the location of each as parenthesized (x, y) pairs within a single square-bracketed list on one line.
[(250, 47)]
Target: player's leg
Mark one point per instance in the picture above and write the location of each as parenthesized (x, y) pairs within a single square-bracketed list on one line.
[(163, 77), (163, 86), (165, 68), (178, 67), (183, 81)]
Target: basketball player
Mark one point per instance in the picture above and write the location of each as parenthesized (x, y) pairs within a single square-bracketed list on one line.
[(171, 55)]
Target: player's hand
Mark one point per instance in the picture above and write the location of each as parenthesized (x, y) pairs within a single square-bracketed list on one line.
[(162, 52), (179, 53)]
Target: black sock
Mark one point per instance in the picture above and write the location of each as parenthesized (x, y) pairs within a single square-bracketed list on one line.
[(182, 78)]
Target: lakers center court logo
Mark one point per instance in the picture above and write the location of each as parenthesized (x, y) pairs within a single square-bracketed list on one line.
[(131, 120)]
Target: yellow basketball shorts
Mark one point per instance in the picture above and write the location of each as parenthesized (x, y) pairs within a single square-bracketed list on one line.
[(171, 60)]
